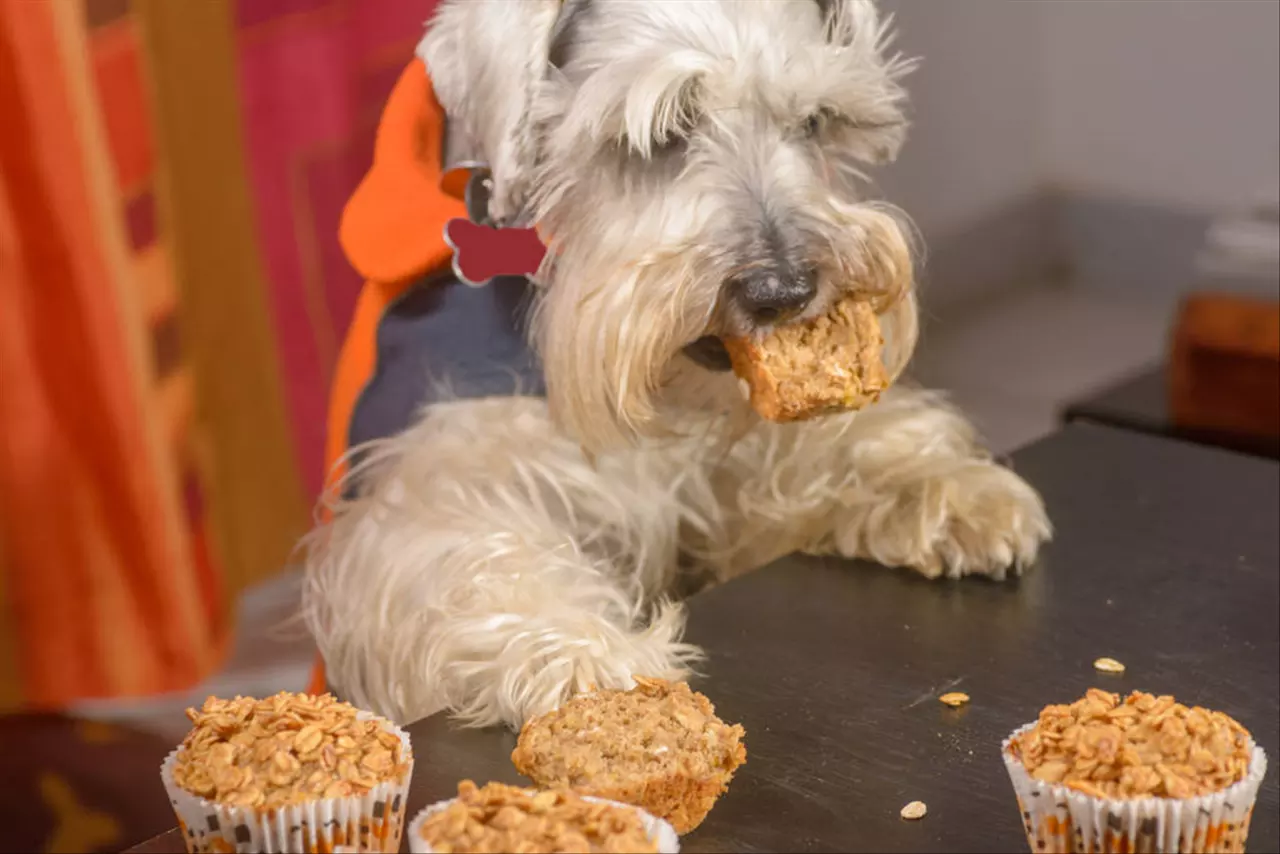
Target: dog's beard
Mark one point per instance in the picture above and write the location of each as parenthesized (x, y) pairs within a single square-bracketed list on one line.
[(608, 329), (606, 332)]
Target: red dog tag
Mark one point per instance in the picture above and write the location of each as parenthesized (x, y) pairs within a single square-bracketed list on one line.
[(481, 252)]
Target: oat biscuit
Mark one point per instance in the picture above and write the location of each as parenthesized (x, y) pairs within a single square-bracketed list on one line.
[(659, 746), (497, 817), (829, 364)]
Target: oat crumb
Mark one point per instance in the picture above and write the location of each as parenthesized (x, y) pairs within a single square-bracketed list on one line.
[(954, 699), (914, 811), (1108, 665)]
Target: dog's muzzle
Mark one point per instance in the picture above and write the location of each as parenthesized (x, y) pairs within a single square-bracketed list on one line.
[(768, 296)]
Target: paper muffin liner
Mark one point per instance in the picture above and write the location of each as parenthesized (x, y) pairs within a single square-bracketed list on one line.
[(1058, 819), (662, 831), (356, 823)]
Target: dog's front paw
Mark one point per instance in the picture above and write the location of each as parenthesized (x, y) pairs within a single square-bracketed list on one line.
[(975, 518), (995, 524)]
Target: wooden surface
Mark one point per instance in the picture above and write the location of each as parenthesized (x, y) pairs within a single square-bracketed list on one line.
[(1166, 558), (1141, 403)]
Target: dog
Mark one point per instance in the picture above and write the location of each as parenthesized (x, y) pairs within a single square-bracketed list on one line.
[(697, 170)]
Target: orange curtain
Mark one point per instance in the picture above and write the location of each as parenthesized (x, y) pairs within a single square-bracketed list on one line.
[(172, 295), (106, 591), (145, 469)]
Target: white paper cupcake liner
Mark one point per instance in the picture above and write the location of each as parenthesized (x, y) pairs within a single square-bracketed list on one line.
[(1058, 819), (662, 831), (372, 822)]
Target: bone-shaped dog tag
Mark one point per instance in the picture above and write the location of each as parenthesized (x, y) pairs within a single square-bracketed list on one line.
[(481, 252)]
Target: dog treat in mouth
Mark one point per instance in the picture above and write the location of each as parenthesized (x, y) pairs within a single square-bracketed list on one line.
[(659, 746), (496, 817), (829, 364)]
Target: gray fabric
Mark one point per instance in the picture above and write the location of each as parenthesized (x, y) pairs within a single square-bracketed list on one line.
[(445, 340)]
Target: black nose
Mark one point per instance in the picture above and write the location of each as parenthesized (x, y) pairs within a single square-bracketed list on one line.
[(768, 296)]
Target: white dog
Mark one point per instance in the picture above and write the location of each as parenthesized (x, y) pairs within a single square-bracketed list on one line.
[(696, 170)]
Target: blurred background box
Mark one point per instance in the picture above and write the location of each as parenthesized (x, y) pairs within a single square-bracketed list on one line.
[(1224, 371)]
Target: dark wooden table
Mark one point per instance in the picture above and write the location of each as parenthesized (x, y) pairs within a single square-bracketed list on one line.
[(1167, 557), (1141, 402)]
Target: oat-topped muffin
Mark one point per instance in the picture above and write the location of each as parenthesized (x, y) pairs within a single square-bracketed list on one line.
[(659, 746), (1142, 747), (336, 774), (1108, 774), (499, 818), (284, 750)]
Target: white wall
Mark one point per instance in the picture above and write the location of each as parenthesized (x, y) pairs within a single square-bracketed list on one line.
[(1165, 102), (975, 105), (1173, 102)]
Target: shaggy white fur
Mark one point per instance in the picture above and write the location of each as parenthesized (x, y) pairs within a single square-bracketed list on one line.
[(493, 582), (503, 553)]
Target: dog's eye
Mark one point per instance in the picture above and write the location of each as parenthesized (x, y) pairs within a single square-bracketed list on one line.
[(816, 121), (659, 147), (669, 143)]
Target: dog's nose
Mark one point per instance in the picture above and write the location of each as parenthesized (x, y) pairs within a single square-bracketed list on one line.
[(769, 297)]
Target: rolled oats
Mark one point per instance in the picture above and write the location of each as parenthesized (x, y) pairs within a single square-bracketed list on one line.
[(914, 811), (284, 750), (497, 817), (1145, 746), (1108, 665), (954, 699)]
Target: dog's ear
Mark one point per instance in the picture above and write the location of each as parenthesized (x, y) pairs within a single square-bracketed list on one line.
[(486, 59), (858, 26), (854, 22)]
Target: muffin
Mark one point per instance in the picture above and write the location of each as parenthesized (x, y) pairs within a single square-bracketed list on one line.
[(500, 818), (1141, 774), (293, 772), (659, 746), (829, 364)]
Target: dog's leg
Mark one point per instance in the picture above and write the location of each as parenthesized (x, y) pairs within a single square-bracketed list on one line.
[(903, 483), (485, 567)]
